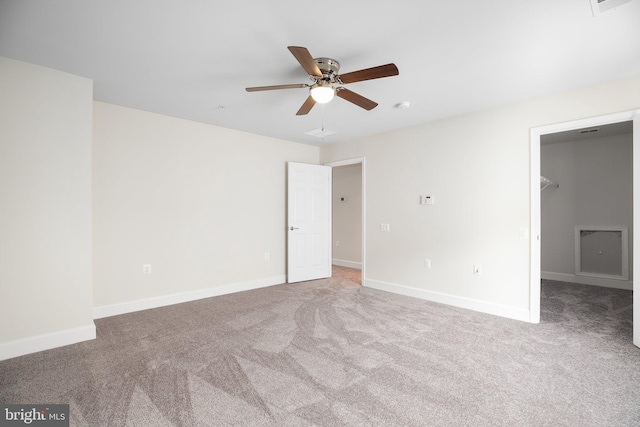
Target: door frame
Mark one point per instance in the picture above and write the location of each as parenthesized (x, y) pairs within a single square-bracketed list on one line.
[(535, 273), (355, 161)]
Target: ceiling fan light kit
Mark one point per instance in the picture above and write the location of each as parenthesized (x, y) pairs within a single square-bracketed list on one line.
[(327, 83), (322, 92)]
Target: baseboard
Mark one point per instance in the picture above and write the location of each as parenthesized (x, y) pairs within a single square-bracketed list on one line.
[(456, 301), (48, 341), (148, 303), (348, 264), (588, 280)]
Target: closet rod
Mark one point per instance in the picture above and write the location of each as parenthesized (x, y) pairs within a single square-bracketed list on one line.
[(546, 182)]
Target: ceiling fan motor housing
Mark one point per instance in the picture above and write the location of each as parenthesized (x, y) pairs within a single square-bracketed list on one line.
[(328, 67)]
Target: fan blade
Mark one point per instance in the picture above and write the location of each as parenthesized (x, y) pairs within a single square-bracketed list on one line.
[(306, 107), (292, 86), (354, 98), (306, 60), (380, 71)]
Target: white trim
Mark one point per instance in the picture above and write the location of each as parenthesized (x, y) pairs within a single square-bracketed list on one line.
[(362, 161), (329, 271), (636, 225), (588, 280), (364, 219), (148, 303), (534, 242), (453, 300), (346, 162), (48, 341), (348, 264), (535, 134)]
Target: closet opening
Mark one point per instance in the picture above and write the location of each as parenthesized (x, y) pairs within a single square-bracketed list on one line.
[(585, 200)]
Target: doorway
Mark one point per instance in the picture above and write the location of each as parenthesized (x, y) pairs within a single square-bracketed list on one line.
[(348, 213), (535, 248), (586, 205)]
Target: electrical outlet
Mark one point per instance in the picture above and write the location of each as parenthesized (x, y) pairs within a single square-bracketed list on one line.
[(267, 256), (477, 270), (427, 263), (146, 268)]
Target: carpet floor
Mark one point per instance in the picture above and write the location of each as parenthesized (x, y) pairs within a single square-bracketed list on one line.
[(332, 353)]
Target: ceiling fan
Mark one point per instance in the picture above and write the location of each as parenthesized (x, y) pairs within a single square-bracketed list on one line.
[(327, 82)]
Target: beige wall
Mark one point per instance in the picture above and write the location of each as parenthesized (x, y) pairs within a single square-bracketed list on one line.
[(45, 220), (201, 204), (477, 167)]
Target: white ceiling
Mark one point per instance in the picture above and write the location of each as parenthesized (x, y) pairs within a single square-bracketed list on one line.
[(193, 59)]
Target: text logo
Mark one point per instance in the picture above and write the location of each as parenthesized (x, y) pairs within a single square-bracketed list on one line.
[(34, 415)]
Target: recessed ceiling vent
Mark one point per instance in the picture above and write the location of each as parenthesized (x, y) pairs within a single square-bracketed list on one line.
[(589, 131), (599, 6)]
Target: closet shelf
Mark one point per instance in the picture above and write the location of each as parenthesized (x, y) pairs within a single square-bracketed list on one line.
[(546, 182)]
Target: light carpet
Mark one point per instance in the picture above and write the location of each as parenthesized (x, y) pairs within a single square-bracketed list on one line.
[(332, 353)]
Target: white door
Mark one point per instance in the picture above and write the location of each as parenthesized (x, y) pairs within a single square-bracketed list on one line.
[(308, 222)]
